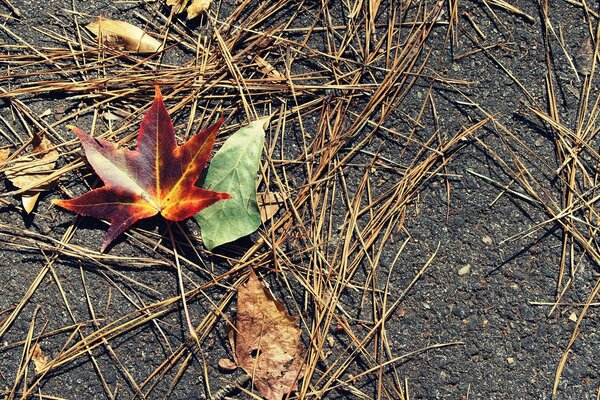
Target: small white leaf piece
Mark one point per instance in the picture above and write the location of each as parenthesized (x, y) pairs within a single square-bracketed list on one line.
[(120, 34)]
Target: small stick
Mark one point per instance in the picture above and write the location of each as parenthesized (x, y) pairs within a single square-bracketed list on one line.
[(15, 10), (181, 287), (474, 25)]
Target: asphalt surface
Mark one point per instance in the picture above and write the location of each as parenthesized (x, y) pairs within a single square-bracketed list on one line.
[(479, 290)]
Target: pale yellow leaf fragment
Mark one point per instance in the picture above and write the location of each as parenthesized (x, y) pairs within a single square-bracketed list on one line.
[(29, 200), (267, 341), (179, 3), (197, 7), (121, 34), (39, 359), (4, 153), (32, 171)]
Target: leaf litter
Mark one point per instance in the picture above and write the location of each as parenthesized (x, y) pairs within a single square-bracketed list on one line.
[(157, 177), (350, 103), (123, 35), (267, 341), (32, 171)]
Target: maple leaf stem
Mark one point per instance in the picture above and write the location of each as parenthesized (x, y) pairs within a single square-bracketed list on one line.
[(181, 287)]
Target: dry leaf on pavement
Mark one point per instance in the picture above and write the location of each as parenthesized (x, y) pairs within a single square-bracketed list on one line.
[(39, 359), (194, 9), (197, 7), (122, 34), (33, 170), (267, 341), (227, 365)]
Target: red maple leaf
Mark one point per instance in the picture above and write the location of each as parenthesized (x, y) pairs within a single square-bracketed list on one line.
[(157, 177)]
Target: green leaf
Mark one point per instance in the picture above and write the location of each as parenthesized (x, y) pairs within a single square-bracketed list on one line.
[(233, 170)]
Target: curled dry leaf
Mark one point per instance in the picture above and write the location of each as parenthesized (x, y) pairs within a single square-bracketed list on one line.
[(39, 359), (267, 341), (227, 365), (122, 34), (32, 171)]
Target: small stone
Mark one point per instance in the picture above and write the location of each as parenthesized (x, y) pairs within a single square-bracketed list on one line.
[(426, 306), (487, 240), (331, 340), (464, 270), (485, 323), (459, 312), (510, 360), (539, 142)]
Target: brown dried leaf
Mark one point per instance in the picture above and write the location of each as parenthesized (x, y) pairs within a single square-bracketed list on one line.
[(122, 34), (267, 342), (39, 359), (227, 365), (33, 170), (269, 203)]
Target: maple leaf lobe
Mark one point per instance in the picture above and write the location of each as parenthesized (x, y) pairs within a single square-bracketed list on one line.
[(157, 177)]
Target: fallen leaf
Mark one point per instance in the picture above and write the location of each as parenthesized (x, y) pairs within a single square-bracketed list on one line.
[(157, 177), (29, 200), (227, 365), (573, 317), (181, 4), (197, 7), (267, 341), (4, 153), (194, 9), (39, 359), (32, 171), (122, 34), (269, 203), (233, 170)]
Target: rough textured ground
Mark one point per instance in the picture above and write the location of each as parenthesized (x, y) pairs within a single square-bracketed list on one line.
[(509, 347)]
